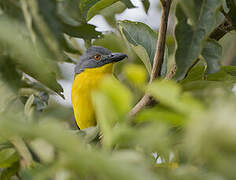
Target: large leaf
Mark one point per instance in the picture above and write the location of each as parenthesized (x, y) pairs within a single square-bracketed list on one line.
[(24, 55), (142, 40), (212, 53), (190, 38)]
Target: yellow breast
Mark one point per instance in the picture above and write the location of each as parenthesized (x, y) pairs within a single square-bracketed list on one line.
[(84, 83)]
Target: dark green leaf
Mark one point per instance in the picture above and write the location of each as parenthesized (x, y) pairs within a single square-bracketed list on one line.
[(146, 5), (85, 5), (85, 31), (196, 73), (231, 4), (94, 10), (117, 45), (142, 40), (73, 16), (11, 9), (110, 12), (7, 173), (128, 3), (227, 73), (190, 39), (212, 52), (8, 157)]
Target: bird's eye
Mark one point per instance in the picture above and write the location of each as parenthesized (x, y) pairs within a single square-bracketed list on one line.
[(97, 57)]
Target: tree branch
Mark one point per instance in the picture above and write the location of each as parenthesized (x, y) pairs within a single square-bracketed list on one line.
[(26, 159), (159, 55)]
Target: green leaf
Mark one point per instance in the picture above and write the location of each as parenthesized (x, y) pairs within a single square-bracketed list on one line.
[(161, 115), (146, 5), (117, 44), (119, 95), (85, 5), (170, 94), (227, 73), (24, 55), (231, 4), (212, 53), (128, 3), (98, 7), (9, 86), (106, 115), (73, 15), (142, 40), (135, 74), (85, 31), (110, 12), (7, 173), (47, 26), (191, 39), (196, 73), (12, 9), (70, 12), (8, 157)]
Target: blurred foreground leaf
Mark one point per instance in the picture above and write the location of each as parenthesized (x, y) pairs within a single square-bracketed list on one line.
[(24, 55), (170, 94), (7, 157)]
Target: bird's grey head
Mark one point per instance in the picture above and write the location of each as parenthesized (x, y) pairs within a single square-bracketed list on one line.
[(97, 56)]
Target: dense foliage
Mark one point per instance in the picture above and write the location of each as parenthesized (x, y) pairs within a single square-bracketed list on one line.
[(189, 133)]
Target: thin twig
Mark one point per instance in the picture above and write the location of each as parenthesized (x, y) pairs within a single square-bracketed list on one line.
[(159, 55)]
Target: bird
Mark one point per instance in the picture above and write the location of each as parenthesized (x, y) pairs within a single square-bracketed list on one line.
[(92, 67)]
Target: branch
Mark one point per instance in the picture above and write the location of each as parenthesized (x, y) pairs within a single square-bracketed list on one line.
[(159, 56), (26, 159), (221, 30)]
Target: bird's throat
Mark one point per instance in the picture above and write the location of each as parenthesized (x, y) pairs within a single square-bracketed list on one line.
[(84, 83)]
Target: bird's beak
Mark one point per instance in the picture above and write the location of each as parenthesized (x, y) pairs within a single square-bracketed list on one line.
[(115, 57)]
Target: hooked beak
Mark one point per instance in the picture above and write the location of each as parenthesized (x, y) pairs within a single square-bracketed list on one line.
[(115, 57)]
